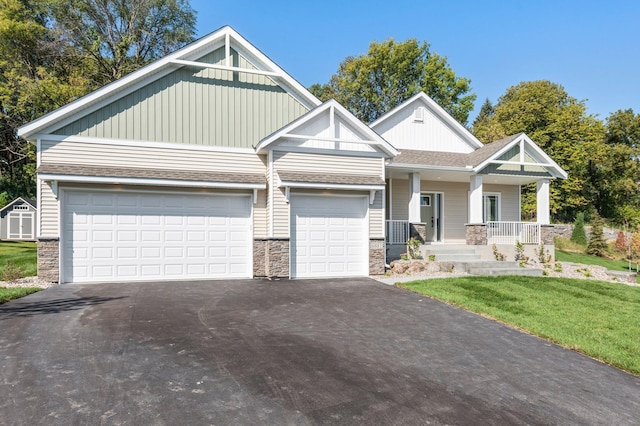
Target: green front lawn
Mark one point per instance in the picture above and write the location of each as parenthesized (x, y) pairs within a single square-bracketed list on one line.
[(596, 318), (18, 254), (7, 294)]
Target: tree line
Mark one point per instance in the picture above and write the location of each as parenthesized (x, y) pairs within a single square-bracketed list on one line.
[(55, 51)]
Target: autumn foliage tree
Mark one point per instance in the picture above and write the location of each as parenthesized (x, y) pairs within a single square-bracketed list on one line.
[(391, 72)]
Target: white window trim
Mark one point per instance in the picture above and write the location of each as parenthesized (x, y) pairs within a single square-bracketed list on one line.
[(499, 205)]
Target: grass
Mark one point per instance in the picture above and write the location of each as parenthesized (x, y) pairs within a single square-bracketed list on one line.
[(18, 255), (596, 318), (7, 294)]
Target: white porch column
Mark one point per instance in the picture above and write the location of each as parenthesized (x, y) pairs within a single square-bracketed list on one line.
[(542, 201), (414, 197), (475, 200)]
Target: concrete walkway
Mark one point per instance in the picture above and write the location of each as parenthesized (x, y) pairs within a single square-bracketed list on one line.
[(286, 352)]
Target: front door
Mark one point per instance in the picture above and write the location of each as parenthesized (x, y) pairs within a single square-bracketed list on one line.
[(431, 215)]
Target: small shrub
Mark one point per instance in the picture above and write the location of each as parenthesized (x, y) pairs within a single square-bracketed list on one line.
[(497, 255), (432, 257), (597, 245), (558, 267), (403, 257), (578, 235), (621, 242), (413, 248), (11, 272), (545, 273), (519, 256), (543, 255)]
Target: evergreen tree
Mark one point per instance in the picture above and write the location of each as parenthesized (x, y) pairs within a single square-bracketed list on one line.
[(597, 245), (578, 235)]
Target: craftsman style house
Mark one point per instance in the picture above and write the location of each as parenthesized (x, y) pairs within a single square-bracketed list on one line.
[(214, 163)]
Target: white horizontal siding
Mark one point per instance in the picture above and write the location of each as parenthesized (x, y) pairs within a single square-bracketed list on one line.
[(49, 211), (334, 164), (321, 163), (97, 154), (260, 228)]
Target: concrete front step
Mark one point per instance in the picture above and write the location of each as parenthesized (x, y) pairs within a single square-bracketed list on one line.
[(528, 272), (455, 257)]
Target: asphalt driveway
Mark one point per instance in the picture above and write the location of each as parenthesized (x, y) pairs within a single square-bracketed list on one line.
[(286, 352)]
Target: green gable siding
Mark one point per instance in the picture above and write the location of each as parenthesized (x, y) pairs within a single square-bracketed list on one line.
[(196, 106)]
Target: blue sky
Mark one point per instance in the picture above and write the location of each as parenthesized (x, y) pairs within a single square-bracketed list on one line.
[(592, 48)]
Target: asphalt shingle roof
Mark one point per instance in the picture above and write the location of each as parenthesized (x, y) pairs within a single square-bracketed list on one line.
[(129, 172)]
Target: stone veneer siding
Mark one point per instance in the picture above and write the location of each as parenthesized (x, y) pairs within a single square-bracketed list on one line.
[(546, 234), (376, 256), (476, 234), (418, 231), (49, 259), (271, 257)]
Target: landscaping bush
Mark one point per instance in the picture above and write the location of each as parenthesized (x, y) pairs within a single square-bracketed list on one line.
[(621, 244), (578, 235), (597, 245)]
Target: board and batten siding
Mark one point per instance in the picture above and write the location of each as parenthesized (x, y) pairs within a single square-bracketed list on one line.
[(199, 106), (431, 134), (333, 164)]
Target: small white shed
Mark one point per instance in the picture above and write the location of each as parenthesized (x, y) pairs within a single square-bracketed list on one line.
[(18, 220)]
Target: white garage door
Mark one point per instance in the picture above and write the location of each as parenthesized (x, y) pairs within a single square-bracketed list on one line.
[(330, 236), (146, 236)]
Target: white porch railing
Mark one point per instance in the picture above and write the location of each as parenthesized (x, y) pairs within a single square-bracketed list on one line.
[(510, 232), (397, 231)]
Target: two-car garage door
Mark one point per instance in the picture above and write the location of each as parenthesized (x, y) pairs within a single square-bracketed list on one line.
[(126, 236)]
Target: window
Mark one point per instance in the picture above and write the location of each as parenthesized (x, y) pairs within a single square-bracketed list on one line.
[(418, 115), (21, 208), (490, 207), (425, 201)]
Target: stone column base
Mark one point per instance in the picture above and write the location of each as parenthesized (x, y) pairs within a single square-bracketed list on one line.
[(49, 259), (546, 234), (476, 234), (376, 256), (418, 231), (271, 257)]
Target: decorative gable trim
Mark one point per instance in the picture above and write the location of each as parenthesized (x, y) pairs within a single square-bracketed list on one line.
[(334, 111), (24, 200), (525, 142), (438, 111), (225, 36)]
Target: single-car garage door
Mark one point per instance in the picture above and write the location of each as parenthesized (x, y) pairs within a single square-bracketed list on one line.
[(329, 236), (127, 236)]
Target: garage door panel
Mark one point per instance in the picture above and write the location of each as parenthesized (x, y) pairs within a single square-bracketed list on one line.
[(329, 236), (155, 236)]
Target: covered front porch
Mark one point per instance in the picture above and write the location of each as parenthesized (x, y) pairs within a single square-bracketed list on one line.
[(456, 199)]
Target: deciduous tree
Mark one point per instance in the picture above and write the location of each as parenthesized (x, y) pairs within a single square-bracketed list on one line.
[(390, 73)]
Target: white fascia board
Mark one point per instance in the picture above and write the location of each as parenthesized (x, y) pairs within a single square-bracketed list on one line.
[(559, 172), (289, 130), (15, 201), (143, 144), (136, 79), (349, 187), (427, 167), (148, 182)]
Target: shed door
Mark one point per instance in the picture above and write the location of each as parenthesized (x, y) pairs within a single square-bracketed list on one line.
[(330, 236), (133, 236)]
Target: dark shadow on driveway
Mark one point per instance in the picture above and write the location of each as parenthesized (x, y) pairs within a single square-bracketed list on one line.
[(26, 308)]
